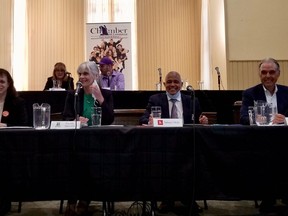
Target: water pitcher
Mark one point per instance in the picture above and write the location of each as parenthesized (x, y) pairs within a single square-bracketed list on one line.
[(41, 116)]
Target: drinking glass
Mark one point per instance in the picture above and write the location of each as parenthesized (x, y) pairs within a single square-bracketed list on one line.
[(96, 115), (260, 113), (271, 112), (156, 111), (251, 114)]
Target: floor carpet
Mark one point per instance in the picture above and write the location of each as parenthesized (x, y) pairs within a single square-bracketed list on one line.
[(215, 208)]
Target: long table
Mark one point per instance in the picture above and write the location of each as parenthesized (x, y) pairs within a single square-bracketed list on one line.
[(144, 163), (221, 102)]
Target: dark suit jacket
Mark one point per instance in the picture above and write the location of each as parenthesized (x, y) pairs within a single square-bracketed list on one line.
[(14, 112), (161, 100), (107, 106), (68, 85), (257, 93)]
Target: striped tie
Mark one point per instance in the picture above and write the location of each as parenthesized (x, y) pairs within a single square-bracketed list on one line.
[(108, 83), (174, 109)]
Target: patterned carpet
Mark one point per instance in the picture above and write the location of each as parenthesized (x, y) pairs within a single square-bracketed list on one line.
[(215, 208)]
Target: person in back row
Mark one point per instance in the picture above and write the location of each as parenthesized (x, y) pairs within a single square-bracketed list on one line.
[(60, 79), (110, 78)]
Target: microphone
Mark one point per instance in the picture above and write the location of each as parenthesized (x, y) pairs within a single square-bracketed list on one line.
[(189, 88), (219, 79), (217, 70), (78, 87), (160, 78), (160, 73), (68, 73)]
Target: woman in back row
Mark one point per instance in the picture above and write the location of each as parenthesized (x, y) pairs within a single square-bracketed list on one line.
[(60, 79)]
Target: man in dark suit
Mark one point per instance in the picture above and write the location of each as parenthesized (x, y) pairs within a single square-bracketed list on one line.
[(184, 104), (184, 109), (269, 91), (269, 72)]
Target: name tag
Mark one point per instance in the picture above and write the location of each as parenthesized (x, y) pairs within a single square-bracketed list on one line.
[(167, 122), (57, 89), (65, 125)]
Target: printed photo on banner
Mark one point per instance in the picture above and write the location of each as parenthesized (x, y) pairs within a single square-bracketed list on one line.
[(112, 40)]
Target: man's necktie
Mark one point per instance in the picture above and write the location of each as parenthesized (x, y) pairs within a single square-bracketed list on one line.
[(108, 81), (174, 113)]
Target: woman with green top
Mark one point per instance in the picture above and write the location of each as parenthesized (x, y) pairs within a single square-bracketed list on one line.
[(91, 94)]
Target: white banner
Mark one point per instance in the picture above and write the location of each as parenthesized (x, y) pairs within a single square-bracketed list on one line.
[(112, 40)]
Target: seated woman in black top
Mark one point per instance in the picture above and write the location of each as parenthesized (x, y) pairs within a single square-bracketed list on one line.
[(13, 113), (12, 108), (60, 79)]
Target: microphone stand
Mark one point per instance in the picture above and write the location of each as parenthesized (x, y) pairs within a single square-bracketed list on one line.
[(193, 106), (193, 100), (76, 109), (219, 80), (69, 81), (76, 99)]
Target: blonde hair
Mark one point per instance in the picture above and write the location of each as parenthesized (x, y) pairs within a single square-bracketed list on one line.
[(62, 66)]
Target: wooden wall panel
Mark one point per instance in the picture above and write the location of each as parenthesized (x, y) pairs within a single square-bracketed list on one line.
[(168, 38), (5, 36), (56, 33), (244, 74)]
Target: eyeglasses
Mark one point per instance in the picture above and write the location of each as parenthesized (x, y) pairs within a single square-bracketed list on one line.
[(272, 72), (59, 70)]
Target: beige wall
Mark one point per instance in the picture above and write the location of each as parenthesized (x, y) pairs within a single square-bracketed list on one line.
[(255, 30), (168, 38), (168, 34), (5, 36), (244, 74), (56, 33)]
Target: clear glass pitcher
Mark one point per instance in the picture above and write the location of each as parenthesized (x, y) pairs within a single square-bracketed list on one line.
[(41, 116), (260, 112), (264, 113)]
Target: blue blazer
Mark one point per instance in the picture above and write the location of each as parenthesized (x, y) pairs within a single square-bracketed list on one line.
[(257, 93), (161, 100)]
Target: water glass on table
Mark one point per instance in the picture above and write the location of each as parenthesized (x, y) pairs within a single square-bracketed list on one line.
[(156, 111), (251, 114), (96, 115)]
